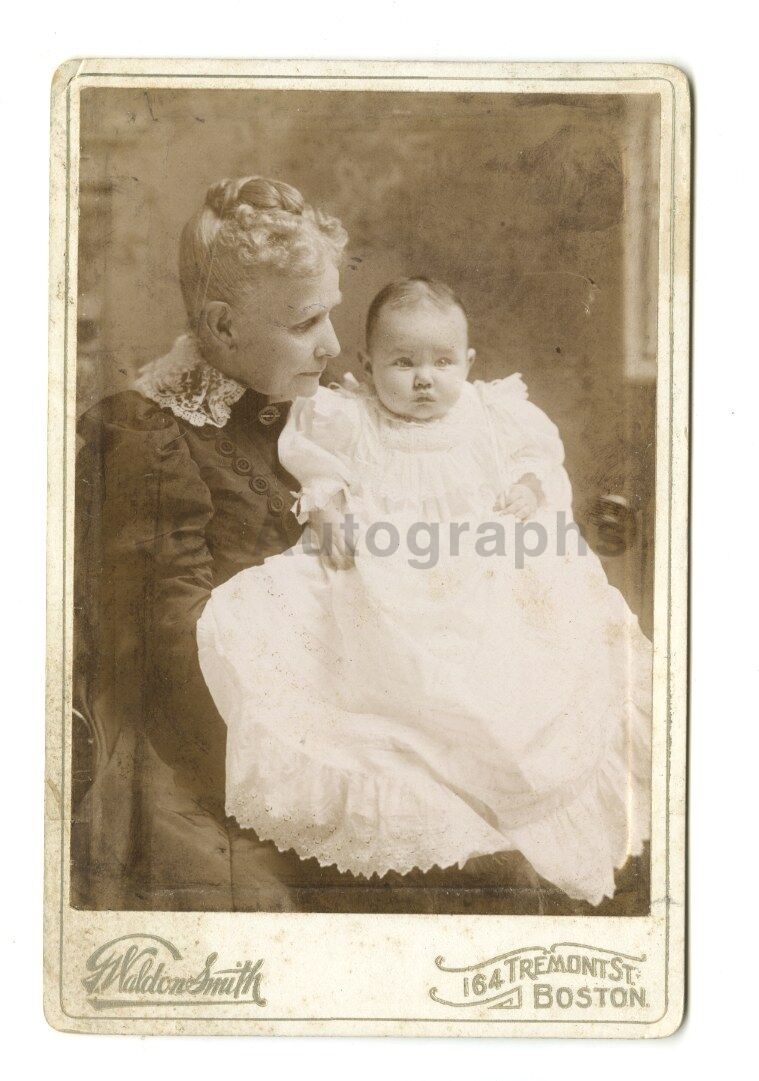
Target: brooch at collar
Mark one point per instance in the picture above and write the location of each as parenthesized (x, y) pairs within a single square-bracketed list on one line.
[(268, 415)]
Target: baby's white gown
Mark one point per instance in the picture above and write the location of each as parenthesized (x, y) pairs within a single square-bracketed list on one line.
[(392, 717)]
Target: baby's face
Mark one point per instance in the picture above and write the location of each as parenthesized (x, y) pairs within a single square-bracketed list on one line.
[(419, 359)]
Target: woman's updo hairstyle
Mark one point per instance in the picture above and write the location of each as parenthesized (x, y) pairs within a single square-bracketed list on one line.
[(247, 223)]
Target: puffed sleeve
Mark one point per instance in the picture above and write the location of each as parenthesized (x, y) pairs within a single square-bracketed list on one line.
[(527, 441), (143, 510), (317, 446)]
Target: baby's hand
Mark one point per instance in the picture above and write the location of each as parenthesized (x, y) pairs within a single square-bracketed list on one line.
[(521, 500), (336, 541)]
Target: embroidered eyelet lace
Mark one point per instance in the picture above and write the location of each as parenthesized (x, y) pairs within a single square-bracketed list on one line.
[(413, 711), (183, 382)]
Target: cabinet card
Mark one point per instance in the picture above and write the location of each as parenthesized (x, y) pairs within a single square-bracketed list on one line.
[(368, 532)]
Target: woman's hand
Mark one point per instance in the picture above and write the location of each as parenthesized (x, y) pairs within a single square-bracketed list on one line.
[(521, 500), (335, 534)]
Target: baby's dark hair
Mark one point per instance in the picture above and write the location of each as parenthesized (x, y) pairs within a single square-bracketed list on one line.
[(405, 292)]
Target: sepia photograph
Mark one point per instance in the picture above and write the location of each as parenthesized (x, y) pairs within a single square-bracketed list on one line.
[(368, 423)]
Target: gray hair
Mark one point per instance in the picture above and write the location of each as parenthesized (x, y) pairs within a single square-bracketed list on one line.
[(247, 223)]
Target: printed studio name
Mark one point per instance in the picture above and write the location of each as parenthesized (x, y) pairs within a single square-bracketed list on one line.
[(137, 968)]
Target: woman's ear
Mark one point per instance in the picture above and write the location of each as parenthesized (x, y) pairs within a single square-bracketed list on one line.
[(216, 325), (471, 356)]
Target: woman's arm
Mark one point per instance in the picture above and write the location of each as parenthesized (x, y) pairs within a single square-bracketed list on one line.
[(147, 512), (334, 532)]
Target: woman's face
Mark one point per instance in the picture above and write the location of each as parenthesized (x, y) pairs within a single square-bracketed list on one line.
[(281, 336)]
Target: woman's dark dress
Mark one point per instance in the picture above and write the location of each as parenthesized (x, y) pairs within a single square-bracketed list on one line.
[(165, 512)]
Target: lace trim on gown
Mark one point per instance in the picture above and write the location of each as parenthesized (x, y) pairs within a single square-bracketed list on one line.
[(371, 768), (183, 382)]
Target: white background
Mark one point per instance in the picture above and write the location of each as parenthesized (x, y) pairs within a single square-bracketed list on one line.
[(716, 46)]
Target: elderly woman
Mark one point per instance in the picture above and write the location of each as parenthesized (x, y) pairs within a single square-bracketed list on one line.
[(179, 488)]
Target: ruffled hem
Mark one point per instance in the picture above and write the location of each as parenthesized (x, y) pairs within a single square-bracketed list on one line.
[(340, 817), (618, 794), (375, 865)]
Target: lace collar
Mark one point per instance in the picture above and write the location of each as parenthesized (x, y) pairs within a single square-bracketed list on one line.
[(184, 383)]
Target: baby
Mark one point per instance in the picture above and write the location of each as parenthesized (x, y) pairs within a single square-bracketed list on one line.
[(382, 717), (418, 359)]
